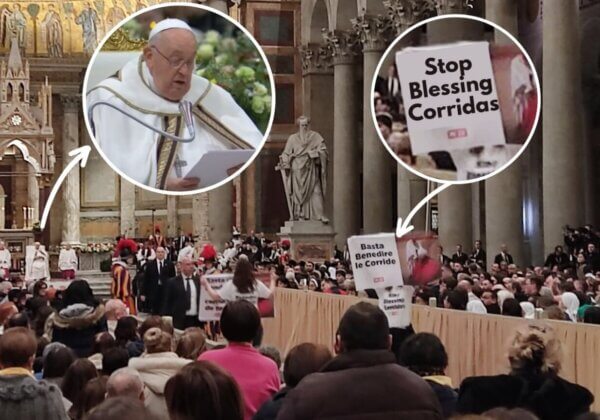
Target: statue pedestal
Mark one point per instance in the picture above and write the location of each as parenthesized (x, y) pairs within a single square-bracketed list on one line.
[(311, 240)]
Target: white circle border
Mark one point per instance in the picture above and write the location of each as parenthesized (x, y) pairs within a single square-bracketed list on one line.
[(262, 56), (529, 61)]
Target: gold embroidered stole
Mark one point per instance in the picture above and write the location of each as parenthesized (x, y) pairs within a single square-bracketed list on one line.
[(167, 150), (211, 122)]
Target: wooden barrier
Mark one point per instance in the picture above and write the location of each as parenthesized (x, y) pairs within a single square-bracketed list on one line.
[(476, 344)]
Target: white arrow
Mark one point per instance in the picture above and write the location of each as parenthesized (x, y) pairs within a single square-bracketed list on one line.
[(402, 228), (80, 155)]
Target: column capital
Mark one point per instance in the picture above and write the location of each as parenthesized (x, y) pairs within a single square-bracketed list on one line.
[(315, 59), (453, 6), (372, 31), (342, 45), (71, 102), (402, 14)]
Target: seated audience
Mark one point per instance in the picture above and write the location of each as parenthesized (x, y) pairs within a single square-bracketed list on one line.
[(155, 367), (302, 360), (204, 391), (191, 344), (257, 375), (125, 382), (77, 376), (424, 354), (364, 357), (119, 408), (535, 359), (21, 396)]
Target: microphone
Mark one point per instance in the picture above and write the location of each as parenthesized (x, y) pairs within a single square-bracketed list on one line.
[(185, 107)]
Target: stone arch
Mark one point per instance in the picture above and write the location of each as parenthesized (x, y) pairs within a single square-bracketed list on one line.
[(319, 19), (24, 149), (9, 92), (345, 11), (21, 92)]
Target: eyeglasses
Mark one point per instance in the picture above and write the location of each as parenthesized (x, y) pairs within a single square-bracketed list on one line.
[(177, 63)]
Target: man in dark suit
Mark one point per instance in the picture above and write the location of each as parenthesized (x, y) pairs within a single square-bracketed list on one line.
[(182, 297), (459, 256), (478, 254), (156, 274), (503, 256)]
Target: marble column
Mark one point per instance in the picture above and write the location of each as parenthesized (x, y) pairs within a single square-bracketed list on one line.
[(172, 220), (377, 176), (411, 190), (563, 200), (454, 220), (318, 98), (346, 175), (200, 227), (33, 194), (70, 140), (504, 192), (220, 214), (127, 208)]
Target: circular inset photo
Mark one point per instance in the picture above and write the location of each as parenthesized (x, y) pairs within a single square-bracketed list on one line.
[(456, 99), (178, 98)]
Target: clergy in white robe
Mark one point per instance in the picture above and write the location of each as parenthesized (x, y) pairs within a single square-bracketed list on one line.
[(67, 262), (36, 263), (5, 261), (151, 87)]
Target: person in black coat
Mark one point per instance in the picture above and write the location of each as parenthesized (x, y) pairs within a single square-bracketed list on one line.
[(182, 297), (424, 354), (533, 383), (156, 274), (557, 258), (478, 255), (503, 256)]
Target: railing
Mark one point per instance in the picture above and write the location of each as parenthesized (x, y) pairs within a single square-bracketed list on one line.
[(476, 344)]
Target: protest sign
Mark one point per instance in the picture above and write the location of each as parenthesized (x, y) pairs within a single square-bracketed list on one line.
[(396, 302), (375, 262), (450, 97), (266, 307), (210, 309)]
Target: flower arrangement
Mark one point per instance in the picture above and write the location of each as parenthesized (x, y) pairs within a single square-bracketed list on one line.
[(233, 62), (97, 247)]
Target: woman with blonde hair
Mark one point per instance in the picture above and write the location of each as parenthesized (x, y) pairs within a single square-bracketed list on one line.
[(156, 366), (535, 357)]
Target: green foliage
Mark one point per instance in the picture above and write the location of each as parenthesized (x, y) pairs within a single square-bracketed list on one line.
[(232, 62)]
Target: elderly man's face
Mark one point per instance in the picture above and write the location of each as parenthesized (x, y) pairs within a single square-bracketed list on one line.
[(160, 253), (171, 61), (187, 267)]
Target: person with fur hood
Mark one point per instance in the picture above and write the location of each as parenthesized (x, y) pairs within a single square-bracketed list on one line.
[(156, 366), (81, 318)]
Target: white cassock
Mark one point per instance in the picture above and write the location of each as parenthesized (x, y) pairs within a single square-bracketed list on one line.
[(67, 260), (36, 264), (148, 157), (5, 259)]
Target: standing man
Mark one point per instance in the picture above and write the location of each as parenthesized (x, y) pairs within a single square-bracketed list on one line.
[(478, 255), (156, 275), (459, 256), (5, 261), (182, 296), (67, 262), (121, 287), (503, 256), (37, 264)]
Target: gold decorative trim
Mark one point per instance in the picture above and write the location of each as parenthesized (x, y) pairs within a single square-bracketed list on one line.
[(166, 152), (120, 41), (214, 124)]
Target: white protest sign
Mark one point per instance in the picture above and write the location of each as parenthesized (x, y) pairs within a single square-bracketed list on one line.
[(210, 309), (397, 305), (450, 97), (375, 261)]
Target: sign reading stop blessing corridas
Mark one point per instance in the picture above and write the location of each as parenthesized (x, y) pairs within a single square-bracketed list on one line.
[(375, 261), (450, 97)]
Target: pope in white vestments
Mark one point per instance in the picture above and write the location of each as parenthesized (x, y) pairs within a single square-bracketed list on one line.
[(36, 264), (151, 88)]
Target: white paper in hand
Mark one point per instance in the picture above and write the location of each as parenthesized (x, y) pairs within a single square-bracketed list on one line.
[(213, 166), (375, 261), (397, 305)]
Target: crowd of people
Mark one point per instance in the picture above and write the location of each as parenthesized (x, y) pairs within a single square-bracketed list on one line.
[(67, 354)]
